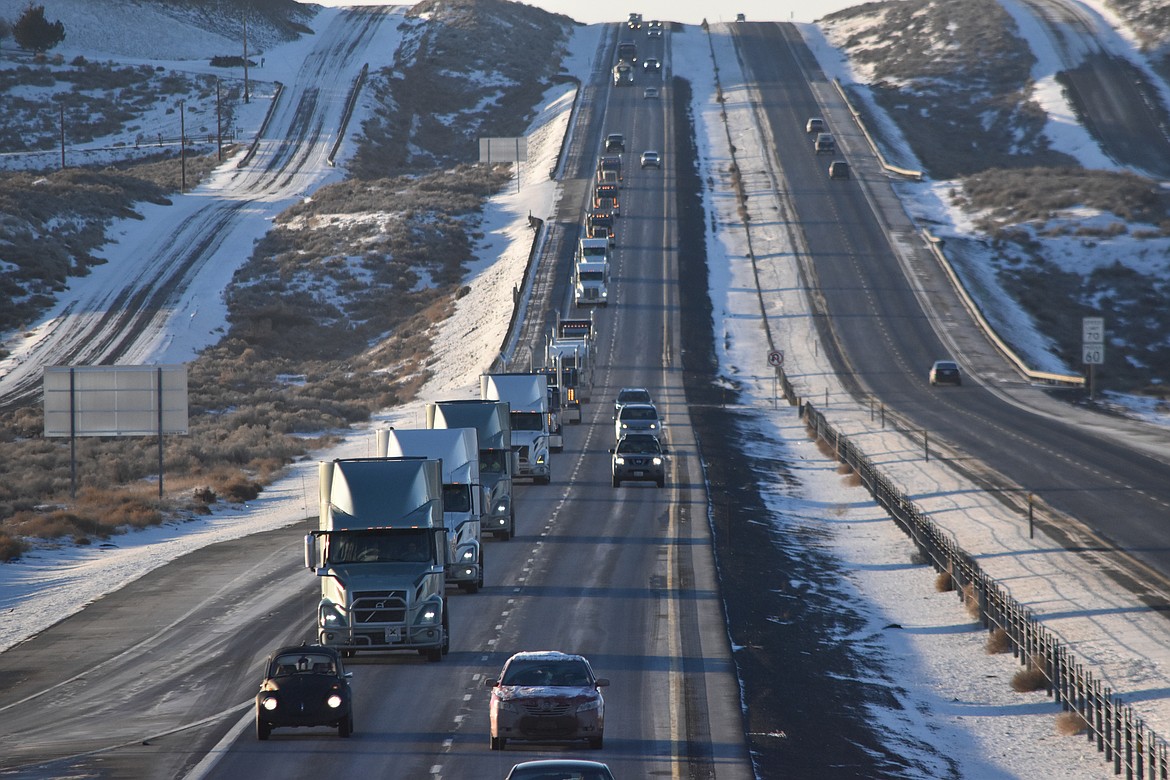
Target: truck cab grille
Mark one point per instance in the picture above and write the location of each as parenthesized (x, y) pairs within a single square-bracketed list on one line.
[(378, 607)]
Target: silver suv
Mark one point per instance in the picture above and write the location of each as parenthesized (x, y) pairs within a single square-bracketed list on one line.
[(637, 418)]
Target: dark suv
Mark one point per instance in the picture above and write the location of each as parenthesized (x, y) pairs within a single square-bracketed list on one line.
[(615, 142), (639, 457)]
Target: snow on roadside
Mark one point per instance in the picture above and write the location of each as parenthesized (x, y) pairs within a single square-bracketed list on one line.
[(48, 585), (968, 708)]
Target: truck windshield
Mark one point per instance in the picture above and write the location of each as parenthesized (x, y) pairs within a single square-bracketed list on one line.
[(590, 276), (410, 545), (493, 461), (527, 421), (456, 498)]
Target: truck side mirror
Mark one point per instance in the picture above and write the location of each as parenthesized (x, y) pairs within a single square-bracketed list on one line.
[(311, 552), (441, 546)]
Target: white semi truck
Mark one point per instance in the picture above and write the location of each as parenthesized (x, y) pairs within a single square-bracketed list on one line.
[(458, 449), (527, 397), (497, 463), (591, 272), (380, 553), (570, 350)]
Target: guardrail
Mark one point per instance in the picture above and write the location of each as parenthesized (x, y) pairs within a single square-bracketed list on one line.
[(347, 114), (1127, 742), (263, 126)]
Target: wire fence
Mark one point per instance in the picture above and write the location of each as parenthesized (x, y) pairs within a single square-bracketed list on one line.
[(1128, 744)]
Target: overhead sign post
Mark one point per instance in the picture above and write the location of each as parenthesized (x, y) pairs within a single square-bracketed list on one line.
[(493, 150), (115, 401), (1092, 345)]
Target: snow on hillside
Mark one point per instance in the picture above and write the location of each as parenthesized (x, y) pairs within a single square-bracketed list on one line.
[(140, 31)]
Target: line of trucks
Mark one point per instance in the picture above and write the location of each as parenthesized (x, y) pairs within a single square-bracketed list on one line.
[(396, 530)]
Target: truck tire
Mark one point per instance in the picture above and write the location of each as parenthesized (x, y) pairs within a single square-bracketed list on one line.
[(617, 482), (432, 654), (345, 727), (498, 743), (263, 730), (446, 648), (544, 480), (662, 482)]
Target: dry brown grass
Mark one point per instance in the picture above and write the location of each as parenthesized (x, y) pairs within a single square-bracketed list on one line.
[(1070, 723), (290, 371), (971, 600), (1030, 679), (998, 642), (944, 582)]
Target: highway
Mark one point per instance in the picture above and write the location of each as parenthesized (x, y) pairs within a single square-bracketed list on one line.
[(156, 680), (159, 676), (887, 342)]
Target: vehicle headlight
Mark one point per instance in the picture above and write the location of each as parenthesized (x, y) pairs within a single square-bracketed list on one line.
[(268, 703), (658, 461), (331, 617), (590, 705), (620, 460), (468, 555), (501, 508), (334, 700), (429, 615), (653, 426), (540, 458), (625, 425), (506, 706)]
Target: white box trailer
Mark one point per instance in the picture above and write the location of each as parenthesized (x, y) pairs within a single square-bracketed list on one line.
[(497, 461), (527, 397), (463, 500)]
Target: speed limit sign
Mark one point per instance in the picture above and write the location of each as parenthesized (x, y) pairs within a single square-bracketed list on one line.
[(776, 358)]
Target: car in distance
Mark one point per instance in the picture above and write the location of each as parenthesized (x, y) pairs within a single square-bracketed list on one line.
[(546, 696), (651, 160), (638, 457), (654, 32), (740, 18), (945, 372), (814, 125), (305, 685), (631, 395), (615, 142), (824, 143), (560, 769), (838, 169), (637, 418), (651, 64), (650, 92)]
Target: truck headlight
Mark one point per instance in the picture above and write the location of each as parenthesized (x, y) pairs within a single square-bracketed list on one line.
[(330, 616), (334, 701), (269, 703), (428, 616), (468, 555), (620, 460), (658, 461)]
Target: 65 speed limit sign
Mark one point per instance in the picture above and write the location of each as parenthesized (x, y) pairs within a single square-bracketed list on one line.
[(775, 358)]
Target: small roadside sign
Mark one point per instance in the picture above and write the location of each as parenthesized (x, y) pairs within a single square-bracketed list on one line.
[(775, 358)]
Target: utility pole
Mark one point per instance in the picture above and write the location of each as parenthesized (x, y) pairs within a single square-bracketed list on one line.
[(183, 144), (62, 136), (246, 94), (218, 123)]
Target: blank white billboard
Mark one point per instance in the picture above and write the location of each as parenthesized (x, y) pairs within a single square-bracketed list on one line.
[(115, 400), (502, 150)]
